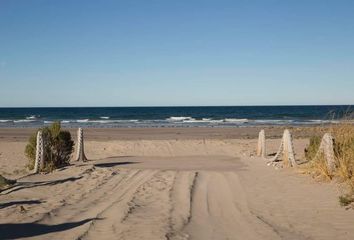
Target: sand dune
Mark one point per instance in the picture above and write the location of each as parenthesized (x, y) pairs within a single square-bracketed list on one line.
[(173, 189)]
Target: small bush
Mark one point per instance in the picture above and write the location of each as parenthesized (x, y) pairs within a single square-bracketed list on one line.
[(58, 147)]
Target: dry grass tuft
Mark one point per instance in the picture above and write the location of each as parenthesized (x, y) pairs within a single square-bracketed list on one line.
[(344, 152), (317, 165), (343, 134)]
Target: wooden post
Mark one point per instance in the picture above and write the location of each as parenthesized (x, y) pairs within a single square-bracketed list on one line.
[(80, 154), (39, 161), (326, 147), (261, 147), (286, 149)]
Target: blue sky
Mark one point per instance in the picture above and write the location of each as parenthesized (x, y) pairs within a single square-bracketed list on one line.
[(162, 53)]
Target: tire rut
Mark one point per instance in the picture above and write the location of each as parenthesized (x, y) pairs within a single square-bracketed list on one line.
[(148, 212)]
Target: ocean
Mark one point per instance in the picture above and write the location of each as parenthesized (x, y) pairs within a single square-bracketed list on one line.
[(111, 117)]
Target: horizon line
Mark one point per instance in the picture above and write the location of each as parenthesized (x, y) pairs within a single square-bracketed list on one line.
[(176, 106)]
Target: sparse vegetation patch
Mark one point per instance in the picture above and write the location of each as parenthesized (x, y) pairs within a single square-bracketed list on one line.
[(58, 147)]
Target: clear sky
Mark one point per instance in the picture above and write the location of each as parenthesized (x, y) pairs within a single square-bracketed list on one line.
[(158, 53)]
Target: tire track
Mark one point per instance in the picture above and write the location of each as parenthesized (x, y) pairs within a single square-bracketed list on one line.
[(94, 204), (148, 215), (119, 209), (181, 200), (220, 211)]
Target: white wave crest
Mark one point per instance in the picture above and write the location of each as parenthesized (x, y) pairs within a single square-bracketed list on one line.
[(236, 120), (174, 119), (216, 121), (23, 121), (82, 120), (273, 121), (103, 121), (32, 117), (193, 121)]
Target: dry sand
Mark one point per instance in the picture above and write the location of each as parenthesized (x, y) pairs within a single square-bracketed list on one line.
[(168, 184)]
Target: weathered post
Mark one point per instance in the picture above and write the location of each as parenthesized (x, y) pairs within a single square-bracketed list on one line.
[(261, 147), (39, 161), (80, 155), (326, 147), (288, 150)]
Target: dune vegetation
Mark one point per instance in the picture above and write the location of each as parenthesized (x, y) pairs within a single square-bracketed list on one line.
[(343, 145), (58, 147)]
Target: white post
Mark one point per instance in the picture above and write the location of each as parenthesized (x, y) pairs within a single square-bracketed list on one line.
[(286, 148), (39, 161), (288, 151), (80, 154), (326, 147), (261, 147)]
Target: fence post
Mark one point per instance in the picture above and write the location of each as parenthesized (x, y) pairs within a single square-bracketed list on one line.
[(80, 155), (288, 151), (326, 147), (261, 147), (39, 161)]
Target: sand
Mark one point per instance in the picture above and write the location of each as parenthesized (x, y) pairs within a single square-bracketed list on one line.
[(168, 184)]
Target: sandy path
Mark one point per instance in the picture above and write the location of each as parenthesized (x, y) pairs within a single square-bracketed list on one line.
[(164, 204), (155, 204)]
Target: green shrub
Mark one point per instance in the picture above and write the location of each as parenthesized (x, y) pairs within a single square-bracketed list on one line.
[(30, 150), (58, 147)]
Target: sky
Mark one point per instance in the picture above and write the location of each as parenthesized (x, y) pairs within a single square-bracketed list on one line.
[(176, 53)]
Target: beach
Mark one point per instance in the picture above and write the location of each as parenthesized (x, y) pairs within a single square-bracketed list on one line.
[(169, 183), (177, 120)]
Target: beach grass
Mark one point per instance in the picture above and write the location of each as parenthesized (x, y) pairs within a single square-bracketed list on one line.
[(343, 134), (316, 166), (344, 152)]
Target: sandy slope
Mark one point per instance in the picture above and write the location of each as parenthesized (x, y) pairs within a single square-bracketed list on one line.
[(173, 189)]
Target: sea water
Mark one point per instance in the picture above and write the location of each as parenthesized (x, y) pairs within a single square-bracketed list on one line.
[(223, 116)]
